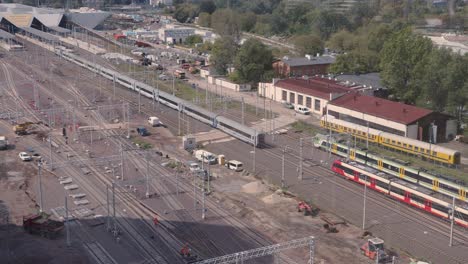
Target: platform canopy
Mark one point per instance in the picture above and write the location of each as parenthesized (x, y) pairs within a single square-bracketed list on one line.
[(6, 35), (40, 34)]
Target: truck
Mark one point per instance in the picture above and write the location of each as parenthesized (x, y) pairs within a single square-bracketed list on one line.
[(205, 156), (41, 224), (154, 121), (3, 143), (179, 74)]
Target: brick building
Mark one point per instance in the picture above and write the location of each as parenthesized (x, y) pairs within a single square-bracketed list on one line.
[(300, 66)]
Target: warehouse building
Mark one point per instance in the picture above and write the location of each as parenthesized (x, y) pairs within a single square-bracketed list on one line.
[(300, 66), (313, 93), (393, 117)]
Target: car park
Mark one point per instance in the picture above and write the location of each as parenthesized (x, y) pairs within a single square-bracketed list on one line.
[(24, 156)]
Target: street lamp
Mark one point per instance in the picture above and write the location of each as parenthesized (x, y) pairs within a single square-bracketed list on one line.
[(283, 184)]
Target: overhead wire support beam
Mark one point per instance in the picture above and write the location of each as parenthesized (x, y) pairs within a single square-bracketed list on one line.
[(239, 257)]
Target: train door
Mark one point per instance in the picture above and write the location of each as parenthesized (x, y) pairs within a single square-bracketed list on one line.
[(427, 205), (435, 184), (352, 154), (402, 172), (407, 198), (356, 176), (380, 164), (372, 183), (334, 148), (462, 194)]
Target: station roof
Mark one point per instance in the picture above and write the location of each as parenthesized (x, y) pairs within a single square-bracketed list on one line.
[(59, 29), (382, 108), (41, 34), (5, 35), (317, 87)]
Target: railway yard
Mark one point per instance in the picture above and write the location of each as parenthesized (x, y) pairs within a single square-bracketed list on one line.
[(130, 198)]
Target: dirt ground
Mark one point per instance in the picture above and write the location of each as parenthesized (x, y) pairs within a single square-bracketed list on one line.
[(275, 215), (17, 199)]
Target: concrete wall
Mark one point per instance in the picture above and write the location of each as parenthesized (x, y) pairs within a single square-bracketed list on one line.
[(204, 73), (233, 86)]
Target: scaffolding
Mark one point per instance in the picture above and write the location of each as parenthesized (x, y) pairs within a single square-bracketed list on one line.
[(240, 257)]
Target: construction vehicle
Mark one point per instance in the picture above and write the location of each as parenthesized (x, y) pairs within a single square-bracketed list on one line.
[(42, 225), (142, 131), (374, 249), (306, 209), (22, 129)]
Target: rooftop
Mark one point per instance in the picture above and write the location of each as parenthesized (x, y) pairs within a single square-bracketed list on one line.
[(308, 60), (368, 79), (386, 109), (317, 87)]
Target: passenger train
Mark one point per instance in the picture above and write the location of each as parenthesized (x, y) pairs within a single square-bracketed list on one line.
[(404, 144), (225, 124), (402, 191), (404, 172)]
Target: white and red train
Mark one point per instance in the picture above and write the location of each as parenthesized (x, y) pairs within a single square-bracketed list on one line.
[(417, 196)]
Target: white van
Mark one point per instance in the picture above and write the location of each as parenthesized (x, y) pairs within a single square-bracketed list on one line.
[(154, 121), (205, 156), (235, 165), (302, 110)]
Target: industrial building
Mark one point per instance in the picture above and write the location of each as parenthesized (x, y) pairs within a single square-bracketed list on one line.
[(313, 93), (175, 35), (300, 66), (393, 117)]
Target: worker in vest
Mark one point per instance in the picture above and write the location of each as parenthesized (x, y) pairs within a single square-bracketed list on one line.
[(185, 251)]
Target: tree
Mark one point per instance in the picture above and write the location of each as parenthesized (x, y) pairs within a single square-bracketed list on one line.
[(223, 52), (247, 21), (193, 39), (207, 6), (402, 60), (308, 44), (225, 22), (185, 13), (328, 23), (342, 41), (253, 60), (356, 62), (456, 82), (204, 20), (434, 90)]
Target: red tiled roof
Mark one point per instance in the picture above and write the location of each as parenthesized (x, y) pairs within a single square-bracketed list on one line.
[(386, 109), (317, 87)]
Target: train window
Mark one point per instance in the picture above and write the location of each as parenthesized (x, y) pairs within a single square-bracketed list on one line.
[(393, 141), (382, 184), (416, 148), (434, 153), (426, 180), (397, 190), (416, 198), (404, 145), (448, 188)]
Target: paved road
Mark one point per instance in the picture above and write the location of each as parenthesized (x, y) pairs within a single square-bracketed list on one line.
[(400, 226)]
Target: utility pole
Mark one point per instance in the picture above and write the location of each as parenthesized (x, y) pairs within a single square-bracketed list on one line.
[(139, 99), (173, 84), (113, 205), (147, 177), (41, 204), (203, 200), (108, 208), (452, 219), (254, 149), (66, 222), (243, 121), (50, 154), (282, 169), (300, 158), (364, 207), (121, 161), (367, 136)]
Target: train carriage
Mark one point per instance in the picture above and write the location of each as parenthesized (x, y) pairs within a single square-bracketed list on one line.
[(416, 196), (388, 140)]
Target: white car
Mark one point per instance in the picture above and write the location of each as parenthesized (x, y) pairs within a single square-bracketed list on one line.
[(194, 167), (24, 156), (302, 110)]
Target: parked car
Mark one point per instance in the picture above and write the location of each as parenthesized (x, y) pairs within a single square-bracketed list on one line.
[(193, 166), (142, 131), (24, 156), (287, 104), (302, 110)]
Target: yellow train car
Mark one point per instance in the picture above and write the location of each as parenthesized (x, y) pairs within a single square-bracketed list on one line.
[(400, 143)]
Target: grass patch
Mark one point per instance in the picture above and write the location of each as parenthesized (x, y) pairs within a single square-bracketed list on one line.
[(310, 130), (142, 144)]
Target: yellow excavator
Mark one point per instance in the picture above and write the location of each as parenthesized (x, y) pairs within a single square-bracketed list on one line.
[(22, 129)]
